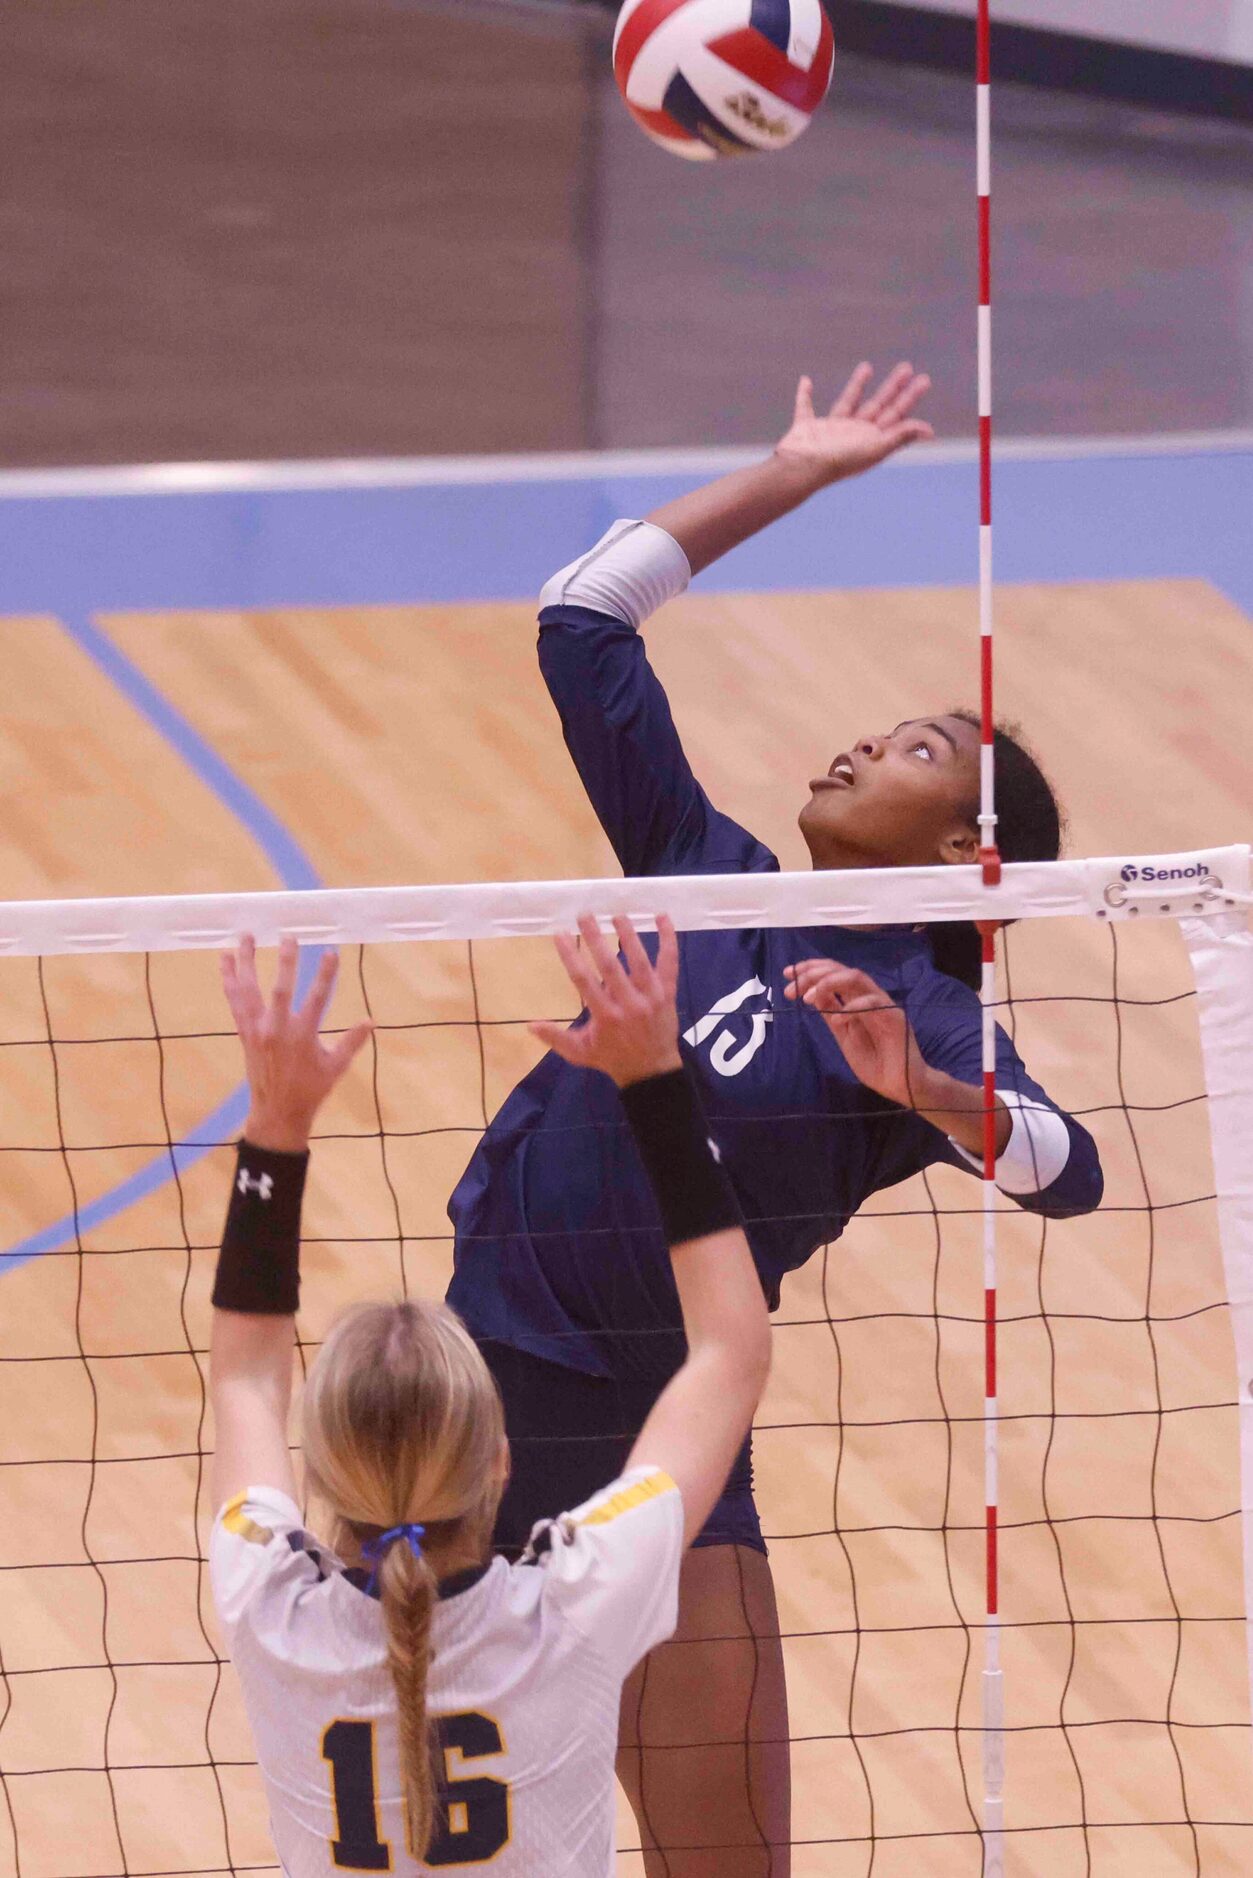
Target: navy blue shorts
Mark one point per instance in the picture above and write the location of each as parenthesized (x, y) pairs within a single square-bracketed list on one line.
[(570, 1435)]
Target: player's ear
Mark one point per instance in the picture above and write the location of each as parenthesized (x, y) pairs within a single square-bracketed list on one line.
[(959, 845)]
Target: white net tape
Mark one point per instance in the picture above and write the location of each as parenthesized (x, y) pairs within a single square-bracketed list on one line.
[(1203, 881)]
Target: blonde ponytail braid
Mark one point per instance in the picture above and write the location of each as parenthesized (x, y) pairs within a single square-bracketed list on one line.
[(404, 1437), (407, 1594)]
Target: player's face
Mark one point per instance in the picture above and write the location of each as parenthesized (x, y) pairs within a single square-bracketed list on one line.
[(898, 800)]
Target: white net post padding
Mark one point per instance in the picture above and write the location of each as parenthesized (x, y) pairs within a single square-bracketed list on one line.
[(1221, 950)]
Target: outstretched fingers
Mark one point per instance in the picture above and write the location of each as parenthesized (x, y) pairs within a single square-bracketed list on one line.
[(239, 982), (884, 399), (846, 405), (639, 965), (631, 1031), (667, 955), (604, 958), (659, 980), (284, 980), (899, 435), (578, 970), (568, 1044), (313, 1010), (803, 409), (905, 399), (341, 1053)]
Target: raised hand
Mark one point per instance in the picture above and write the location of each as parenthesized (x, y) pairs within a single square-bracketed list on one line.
[(290, 1070), (861, 428), (632, 1029), (873, 1032)]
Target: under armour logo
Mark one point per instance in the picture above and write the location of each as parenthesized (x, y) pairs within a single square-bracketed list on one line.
[(263, 1184)]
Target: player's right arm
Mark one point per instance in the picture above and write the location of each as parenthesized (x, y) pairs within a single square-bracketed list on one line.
[(699, 1422), (615, 716)]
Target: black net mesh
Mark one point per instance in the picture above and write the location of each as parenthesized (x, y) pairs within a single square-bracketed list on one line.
[(123, 1744)]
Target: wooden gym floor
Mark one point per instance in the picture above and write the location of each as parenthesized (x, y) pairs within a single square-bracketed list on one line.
[(399, 744)]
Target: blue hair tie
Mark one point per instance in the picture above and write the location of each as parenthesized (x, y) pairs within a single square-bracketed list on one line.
[(375, 1550)]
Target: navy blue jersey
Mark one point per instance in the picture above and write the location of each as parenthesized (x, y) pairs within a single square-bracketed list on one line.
[(559, 1249)]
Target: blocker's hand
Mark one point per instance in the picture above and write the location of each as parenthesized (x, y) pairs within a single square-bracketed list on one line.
[(861, 428), (290, 1070), (873, 1032), (632, 1030)]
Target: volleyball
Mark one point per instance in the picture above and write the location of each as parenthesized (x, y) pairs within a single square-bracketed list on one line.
[(720, 78)]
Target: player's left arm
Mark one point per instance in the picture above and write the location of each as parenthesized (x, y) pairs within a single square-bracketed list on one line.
[(257, 1289), (1046, 1160)]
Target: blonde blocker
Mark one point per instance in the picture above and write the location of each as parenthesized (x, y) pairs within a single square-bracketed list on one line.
[(403, 1424)]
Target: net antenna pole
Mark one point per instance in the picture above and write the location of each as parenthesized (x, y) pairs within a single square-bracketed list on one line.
[(988, 854), (990, 861)]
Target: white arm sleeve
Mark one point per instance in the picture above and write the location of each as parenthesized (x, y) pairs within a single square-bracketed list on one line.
[(1037, 1150), (634, 568)]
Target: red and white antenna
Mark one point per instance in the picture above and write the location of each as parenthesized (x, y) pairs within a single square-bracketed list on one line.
[(989, 856)]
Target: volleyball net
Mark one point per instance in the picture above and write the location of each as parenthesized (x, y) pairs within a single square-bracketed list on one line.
[(1124, 1409)]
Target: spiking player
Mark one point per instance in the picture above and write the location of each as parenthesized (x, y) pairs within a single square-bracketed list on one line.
[(412, 1692), (561, 1271)]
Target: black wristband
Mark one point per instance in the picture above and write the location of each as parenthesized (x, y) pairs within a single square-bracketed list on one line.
[(259, 1264), (672, 1135)]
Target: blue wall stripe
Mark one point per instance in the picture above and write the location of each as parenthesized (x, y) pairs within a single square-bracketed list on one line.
[(1089, 518), (293, 868)]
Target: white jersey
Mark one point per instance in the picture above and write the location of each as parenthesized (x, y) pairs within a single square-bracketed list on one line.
[(527, 1668)]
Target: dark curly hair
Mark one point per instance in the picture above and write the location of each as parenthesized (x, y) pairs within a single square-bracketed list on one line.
[(1030, 827)]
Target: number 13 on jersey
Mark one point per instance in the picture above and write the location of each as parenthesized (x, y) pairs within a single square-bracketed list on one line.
[(472, 1815)]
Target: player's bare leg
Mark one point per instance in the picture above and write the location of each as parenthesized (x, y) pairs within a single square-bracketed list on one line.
[(703, 1747)]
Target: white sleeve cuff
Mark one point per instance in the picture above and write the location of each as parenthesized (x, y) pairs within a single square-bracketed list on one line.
[(633, 569), (1037, 1150)]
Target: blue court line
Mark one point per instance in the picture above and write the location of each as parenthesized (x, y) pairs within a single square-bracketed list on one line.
[(294, 870)]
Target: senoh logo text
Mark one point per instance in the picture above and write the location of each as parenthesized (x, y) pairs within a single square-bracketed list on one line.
[(1151, 875)]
